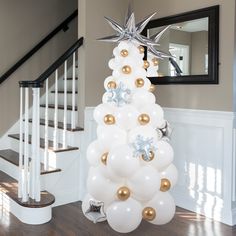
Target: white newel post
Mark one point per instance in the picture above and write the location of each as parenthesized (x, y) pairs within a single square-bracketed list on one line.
[(35, 159), (20, 186)]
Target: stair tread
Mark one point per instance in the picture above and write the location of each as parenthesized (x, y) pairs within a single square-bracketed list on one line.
[(9, 186), (62, 91), (60, 107), (70, 78), (60, 125), (42, 144), (13, 157)]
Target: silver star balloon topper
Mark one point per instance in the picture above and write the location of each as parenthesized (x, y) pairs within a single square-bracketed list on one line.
[(132, 32)]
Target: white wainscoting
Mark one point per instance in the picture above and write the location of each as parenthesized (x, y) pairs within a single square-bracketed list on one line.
[(204, 144)]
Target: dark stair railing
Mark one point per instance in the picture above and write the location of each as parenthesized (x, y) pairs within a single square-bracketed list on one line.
[(62, 27), (29, 158)]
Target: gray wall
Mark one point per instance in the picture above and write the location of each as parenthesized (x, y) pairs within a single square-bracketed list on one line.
[(212, 97), (23, 24)]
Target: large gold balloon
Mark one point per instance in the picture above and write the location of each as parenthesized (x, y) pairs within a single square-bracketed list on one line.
[(126, 69), (104, 158), (139, 83), (165, 185), (124, 53), (141, 49), (146, 64), (143, 119), (111, 85), (109, 119), (123, 193), (151, 156), (149, 213), (152, 88), (155, 61)]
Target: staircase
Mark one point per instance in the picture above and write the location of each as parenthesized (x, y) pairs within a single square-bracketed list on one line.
[(39, 163)]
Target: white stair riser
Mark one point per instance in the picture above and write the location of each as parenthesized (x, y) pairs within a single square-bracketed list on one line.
[(60, 114), (51, 99)]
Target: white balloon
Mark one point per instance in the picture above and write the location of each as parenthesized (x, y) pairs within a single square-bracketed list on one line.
[(101, 111), (144, 183), (108, 173), (140, 72), (111, 136), (126, 117), (94, 152), (124, 216), (163, 156), (99, 187), (123, 45), (128, 81), (107, 80), (86, 205), (116, 51), (164, 205), (141, 98), (145, 131), (170, 173), (113, 64), (122, 162), (155, 113)]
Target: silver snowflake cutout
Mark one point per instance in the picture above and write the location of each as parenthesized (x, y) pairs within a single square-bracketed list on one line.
[(143, 146), (120, 95)]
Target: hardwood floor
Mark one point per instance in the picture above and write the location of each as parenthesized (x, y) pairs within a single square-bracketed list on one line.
[(68, 220)]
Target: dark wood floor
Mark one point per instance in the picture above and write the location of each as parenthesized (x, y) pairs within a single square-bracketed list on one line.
[(68, 220)]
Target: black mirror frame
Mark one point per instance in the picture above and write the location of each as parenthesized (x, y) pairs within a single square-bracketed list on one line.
[(213, 46)]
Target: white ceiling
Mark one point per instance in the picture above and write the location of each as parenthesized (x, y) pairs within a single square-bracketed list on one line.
[(192, 26)]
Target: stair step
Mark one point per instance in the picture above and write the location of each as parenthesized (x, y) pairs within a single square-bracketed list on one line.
[(9, 186), (60, 125), (13, 157), (62, 91), (70, 78), (61, 107), (42, 144)]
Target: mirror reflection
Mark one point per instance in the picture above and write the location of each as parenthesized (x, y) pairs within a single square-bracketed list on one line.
[(188, 44)]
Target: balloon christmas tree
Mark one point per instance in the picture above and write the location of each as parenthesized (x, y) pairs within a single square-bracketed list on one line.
[(131, 166)]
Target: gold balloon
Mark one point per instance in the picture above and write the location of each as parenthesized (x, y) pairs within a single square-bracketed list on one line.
[(139, 82), (141, 49), (123, 193), (104, 158), (124, 53), (155, 61), (149, 213), (151, 156), (146, 64), (126, 69), (143, 119), (111, 85), (109, 119), (152, 88), (165, 185)]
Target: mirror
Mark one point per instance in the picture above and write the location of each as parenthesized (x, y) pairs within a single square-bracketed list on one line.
[(192, 39)]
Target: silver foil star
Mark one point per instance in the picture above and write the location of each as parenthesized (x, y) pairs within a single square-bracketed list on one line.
[(143, 146), (153, 50), (95, 211), (165, 131), (130, 31), (120, 95)]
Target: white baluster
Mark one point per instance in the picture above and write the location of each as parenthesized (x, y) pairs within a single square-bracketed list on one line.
[(20, 183), (65, 106), (37, 159), (46, 130), (55, 134), (73, 94), (25, 195)]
